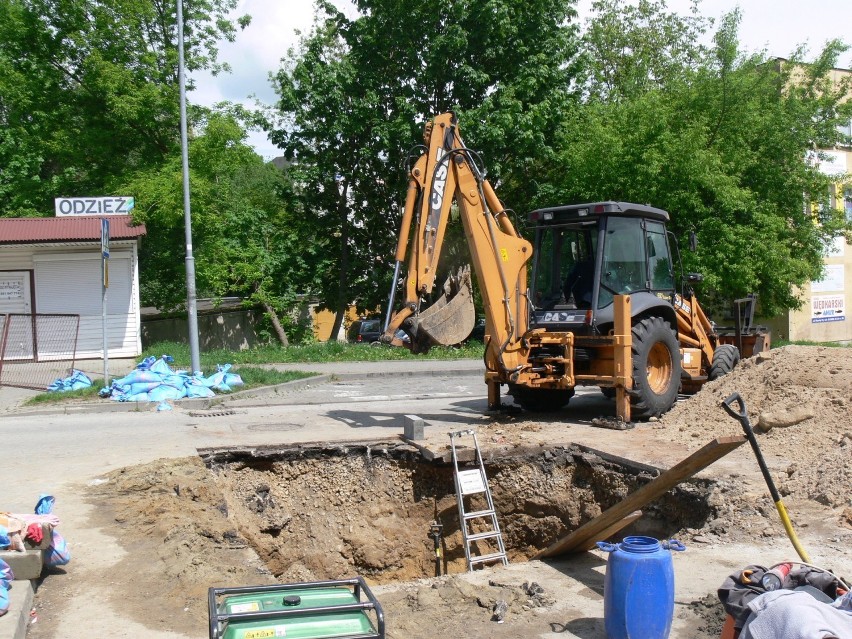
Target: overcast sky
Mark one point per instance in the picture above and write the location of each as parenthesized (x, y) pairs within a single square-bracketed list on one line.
[(776, 26)]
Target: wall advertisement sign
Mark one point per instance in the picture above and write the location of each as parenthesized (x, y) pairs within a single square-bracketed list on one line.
[(828, 308), (832, 280)]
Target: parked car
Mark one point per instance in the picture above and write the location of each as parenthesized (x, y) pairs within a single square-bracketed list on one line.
[(478, 332), (365, 332)]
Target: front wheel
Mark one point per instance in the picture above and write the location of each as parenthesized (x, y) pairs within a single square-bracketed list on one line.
[(656, 368), (540, 400), (725, 359)]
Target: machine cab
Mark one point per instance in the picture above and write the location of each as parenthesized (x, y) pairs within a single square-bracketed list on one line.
[(587, 253)]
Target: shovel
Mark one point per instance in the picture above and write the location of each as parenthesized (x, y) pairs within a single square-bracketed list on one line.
[(742, 416)]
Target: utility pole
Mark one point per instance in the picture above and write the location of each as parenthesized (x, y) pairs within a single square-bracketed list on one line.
[(191, 307)]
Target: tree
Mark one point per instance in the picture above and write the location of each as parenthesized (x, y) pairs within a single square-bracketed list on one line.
[(717, 138), (358, 91), (245, 240), (88, 91)]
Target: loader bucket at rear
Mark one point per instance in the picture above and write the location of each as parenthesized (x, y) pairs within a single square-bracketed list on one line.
[(449, 320)]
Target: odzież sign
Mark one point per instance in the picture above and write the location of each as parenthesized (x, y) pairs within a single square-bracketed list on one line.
[(93, 206)]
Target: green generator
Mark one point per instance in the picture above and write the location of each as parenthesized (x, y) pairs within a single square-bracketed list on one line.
[(339, 609)]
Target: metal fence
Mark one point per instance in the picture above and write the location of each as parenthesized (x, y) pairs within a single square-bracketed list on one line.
[(37, 348)]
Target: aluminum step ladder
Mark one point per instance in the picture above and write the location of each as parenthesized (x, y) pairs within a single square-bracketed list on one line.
[(472, 482)]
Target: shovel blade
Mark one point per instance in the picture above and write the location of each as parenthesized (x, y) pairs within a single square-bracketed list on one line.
[(451, 319)]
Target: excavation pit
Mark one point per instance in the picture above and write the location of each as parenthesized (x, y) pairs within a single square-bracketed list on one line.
[(321, 511)]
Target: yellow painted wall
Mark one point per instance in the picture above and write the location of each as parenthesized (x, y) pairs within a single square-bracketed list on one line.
[(323, 322), (826, 315)]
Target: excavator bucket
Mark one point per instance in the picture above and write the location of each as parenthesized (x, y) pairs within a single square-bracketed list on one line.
[(449, 320)]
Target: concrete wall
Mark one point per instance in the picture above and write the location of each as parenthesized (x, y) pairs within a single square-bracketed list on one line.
[(232, 330)]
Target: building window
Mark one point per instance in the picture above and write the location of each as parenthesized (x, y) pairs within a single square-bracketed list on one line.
[(846, 131)]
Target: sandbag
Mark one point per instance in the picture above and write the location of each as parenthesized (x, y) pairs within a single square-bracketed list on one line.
[(57, 554), (139, 397), (75, 381), (177, 381), (161, 367), (142, 387), (166, 392), (196, 390), (4, 600), (7, 576)]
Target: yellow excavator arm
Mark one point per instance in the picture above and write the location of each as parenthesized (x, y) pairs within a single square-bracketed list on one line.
[(447, 172)]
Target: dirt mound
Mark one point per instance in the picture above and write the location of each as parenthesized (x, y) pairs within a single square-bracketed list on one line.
[(803, 396)]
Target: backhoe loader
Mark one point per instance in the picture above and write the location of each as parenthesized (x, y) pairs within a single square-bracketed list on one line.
[(602, 308)]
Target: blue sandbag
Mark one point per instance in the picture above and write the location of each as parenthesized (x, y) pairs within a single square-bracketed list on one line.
[(146, 363), (196, 390), (161, 367), (138, 377), (142, 387), (6, 574), (75, 381), (178, 381), (57, 554), (166, 392), (139, 397), (232, 379)]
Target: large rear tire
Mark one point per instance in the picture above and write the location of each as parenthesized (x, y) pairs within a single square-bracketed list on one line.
[(540, 400), (656, 368), (725, 359)]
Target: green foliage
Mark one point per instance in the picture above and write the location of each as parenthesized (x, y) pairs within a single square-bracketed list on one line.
[(243, 237), (717, 138), (319, 352), (502, 64), (89, 92)]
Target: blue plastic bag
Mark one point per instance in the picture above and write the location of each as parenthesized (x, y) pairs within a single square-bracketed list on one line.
[(57, 554), (6, 574), (142, 387), (5, 540), (197, 390), (4, 600), (178, 381), (138, 397), (161, 367), (44, 505), (146, 363), (75, 381), (166, 392), (139, 377)]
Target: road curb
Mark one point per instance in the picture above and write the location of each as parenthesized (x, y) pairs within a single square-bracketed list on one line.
[(13, 625), (261, 392)]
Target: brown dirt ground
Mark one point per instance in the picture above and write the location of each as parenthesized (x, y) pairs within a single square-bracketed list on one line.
[(180, 522)]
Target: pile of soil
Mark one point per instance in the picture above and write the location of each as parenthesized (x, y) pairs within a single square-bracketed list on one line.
[(799, 402)]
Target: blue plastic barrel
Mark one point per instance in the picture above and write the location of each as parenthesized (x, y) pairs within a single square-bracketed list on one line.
[(639, 588)]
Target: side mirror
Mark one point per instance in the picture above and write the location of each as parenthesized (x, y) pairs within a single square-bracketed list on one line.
[(693, 241)]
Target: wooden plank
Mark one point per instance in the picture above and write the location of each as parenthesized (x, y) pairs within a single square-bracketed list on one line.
[(591, 530), (609, 532)]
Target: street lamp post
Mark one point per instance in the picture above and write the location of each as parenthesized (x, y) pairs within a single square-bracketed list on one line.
[(191, 307)]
